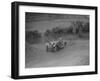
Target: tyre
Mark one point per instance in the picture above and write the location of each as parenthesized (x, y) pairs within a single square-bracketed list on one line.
[(47, 49), (55, 48)]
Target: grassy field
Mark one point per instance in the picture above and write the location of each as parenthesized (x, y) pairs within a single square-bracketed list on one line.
[(75, 53)]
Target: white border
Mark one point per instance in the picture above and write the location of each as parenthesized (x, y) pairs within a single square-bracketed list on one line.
[(70, 69)]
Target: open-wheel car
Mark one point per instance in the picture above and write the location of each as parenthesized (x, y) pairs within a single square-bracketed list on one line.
[(56, 45)]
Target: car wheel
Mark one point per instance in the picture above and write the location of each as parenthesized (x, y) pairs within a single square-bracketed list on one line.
[(55, 48)]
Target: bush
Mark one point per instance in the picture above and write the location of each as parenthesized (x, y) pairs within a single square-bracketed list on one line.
[(69, 30), (33, 37)]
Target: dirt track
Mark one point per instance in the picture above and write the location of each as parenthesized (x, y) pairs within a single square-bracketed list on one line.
[(71, 55)]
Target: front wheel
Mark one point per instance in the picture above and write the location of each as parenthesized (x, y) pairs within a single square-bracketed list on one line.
[(55, 49)]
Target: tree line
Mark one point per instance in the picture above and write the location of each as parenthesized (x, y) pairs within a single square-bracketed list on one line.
[(76, 28)]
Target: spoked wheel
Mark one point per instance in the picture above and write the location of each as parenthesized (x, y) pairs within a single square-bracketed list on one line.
[(55, 49)]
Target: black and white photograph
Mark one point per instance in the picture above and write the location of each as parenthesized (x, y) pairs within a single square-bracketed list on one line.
[(50, 40), (54, 40)]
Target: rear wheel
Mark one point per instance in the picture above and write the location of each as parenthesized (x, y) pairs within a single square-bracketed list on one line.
[(65, 43)]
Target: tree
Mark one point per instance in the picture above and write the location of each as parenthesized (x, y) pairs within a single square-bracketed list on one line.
[(86, 28), (77, 27)]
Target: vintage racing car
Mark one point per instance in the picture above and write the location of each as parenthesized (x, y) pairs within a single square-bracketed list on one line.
[(56, 45)]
